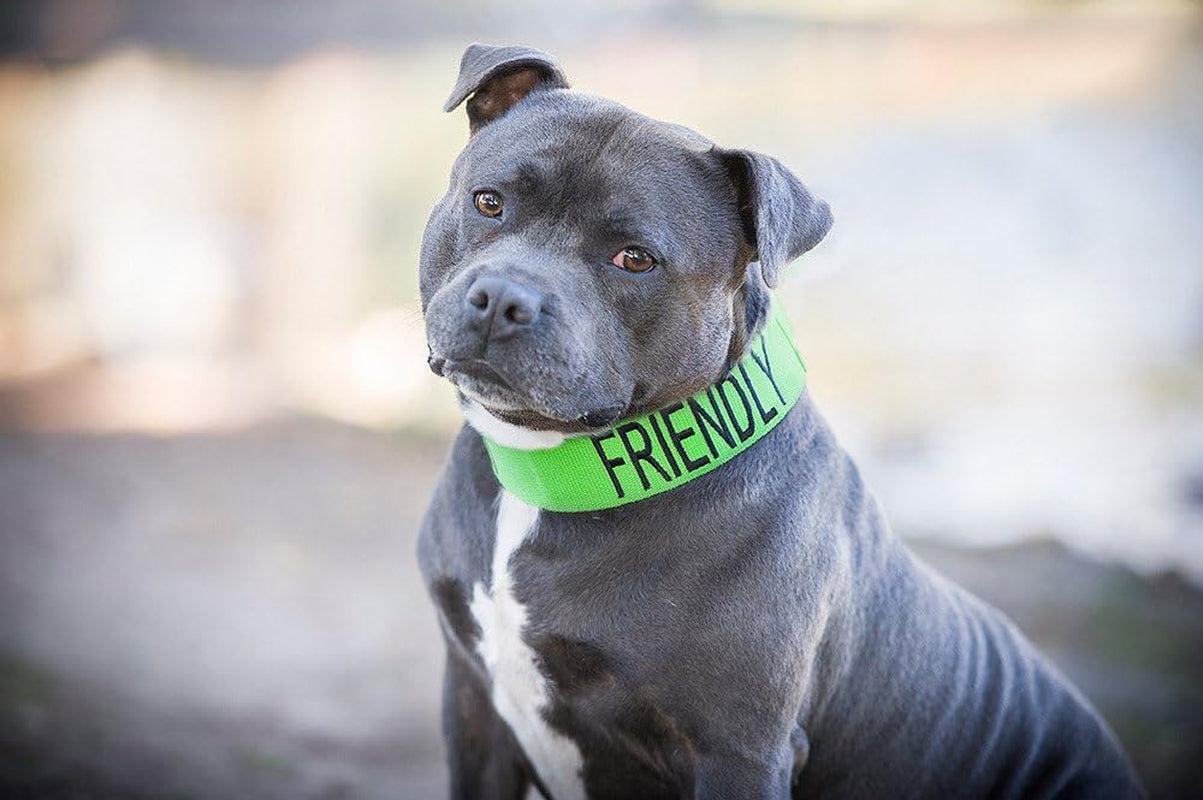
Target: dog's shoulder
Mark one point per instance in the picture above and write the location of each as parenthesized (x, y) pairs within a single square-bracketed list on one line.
[(455, 542)]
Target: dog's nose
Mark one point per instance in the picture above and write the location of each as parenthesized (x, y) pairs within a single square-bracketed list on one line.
[(500, 306)]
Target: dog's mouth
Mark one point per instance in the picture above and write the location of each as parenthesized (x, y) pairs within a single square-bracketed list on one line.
[(480, 381)]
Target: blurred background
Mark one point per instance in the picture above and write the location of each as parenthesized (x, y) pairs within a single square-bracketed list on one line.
[(218, 432)]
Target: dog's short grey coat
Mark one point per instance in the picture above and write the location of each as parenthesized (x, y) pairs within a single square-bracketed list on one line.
[(758, 632)]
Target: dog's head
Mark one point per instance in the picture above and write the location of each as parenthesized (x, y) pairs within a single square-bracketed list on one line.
[(589, 263)]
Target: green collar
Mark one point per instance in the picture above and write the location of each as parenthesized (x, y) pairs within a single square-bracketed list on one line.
[(647, 455)]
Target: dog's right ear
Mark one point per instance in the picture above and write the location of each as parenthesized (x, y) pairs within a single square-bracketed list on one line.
[(495, 79)]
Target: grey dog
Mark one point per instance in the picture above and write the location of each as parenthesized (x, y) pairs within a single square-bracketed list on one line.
[(758, 632)]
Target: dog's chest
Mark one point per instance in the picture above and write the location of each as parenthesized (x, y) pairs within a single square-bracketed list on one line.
[(520, 692)]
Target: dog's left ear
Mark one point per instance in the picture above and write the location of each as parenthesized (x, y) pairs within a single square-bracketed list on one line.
[(498, 78), (781, 218)]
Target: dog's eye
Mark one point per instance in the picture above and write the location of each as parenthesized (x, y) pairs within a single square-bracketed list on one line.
[(488, 203), (634, 259)]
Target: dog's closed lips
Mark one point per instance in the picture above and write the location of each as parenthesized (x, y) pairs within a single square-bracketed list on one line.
[(480, 381), (475, 369), (602, 417)]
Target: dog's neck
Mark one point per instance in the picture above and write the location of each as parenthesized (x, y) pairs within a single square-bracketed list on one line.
[(505, 433)]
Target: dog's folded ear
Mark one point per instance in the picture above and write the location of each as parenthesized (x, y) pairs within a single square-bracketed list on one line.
[(495, 79), (781, 218)]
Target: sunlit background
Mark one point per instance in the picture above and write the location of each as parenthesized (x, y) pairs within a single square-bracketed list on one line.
[(218, 432)]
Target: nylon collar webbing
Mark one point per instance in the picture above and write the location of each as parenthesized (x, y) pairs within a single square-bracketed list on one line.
[(654, 453)]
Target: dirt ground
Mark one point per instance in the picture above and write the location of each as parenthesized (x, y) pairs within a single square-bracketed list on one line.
[(239, 615)]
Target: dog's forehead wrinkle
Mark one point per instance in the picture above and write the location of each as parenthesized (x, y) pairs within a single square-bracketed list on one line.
[(548, 122), (592, 128), (526, 175)]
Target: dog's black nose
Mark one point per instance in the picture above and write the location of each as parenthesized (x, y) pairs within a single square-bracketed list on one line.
[(499, 306)]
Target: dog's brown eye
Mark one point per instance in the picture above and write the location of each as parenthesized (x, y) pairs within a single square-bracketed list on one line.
[(634, 259), (488, 203)]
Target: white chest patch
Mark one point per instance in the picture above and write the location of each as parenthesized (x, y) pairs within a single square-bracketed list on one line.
[(519, 690)]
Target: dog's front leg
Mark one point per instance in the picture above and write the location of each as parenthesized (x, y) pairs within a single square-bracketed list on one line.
[(483, 758), (733, 777)]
